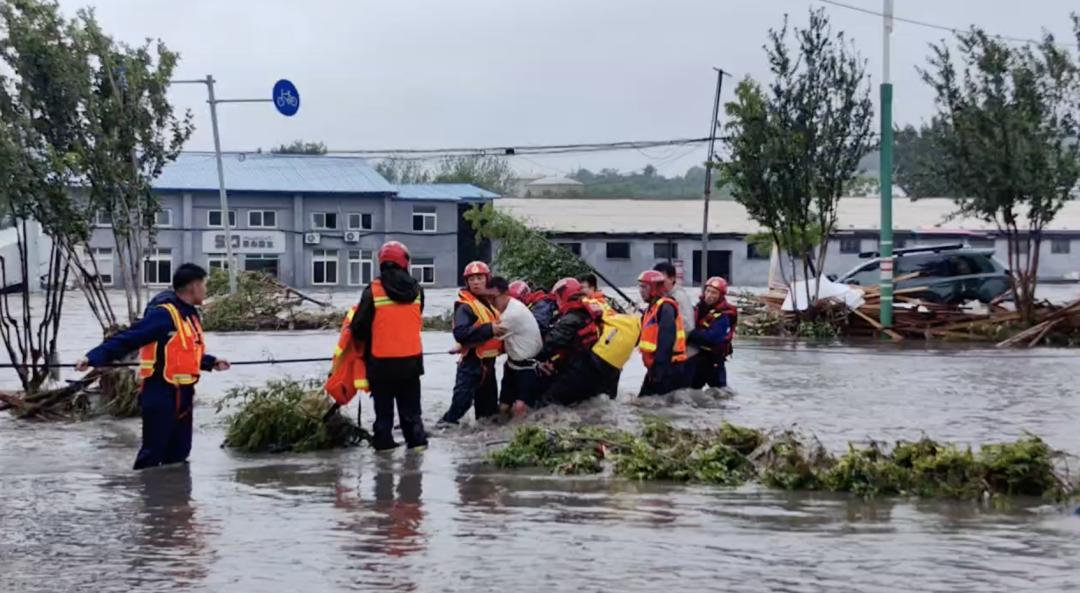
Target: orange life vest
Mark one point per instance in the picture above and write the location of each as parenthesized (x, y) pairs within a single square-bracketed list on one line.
[(395, 331), (599, 297), (650, 333), (348, 372), (716, 312), (484, 314), (182, 353)]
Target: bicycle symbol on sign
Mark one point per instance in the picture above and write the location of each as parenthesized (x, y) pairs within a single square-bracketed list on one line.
[(287, 98)]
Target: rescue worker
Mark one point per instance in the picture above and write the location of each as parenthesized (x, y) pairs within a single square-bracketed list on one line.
[(478, 338), (686, 311), (544, 309), (386, 329), (714, 329), (172, 353), (663, 339), (567, 352), (522, 342)]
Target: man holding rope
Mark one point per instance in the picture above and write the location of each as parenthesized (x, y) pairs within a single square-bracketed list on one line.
[(172, 353)]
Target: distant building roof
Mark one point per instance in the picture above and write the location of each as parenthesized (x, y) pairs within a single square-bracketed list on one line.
[(619, 216), (267, 172), (554, 181), (444, 191)]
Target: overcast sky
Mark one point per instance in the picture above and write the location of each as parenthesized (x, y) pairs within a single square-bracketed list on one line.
[(436, 73)]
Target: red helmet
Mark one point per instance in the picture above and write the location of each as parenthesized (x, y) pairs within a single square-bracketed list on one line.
[(395, 253), (519, 290), (564, 290), (477, 268), (655, 281), (718, 283)]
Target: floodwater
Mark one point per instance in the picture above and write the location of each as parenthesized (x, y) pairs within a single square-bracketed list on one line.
[(74, 517)]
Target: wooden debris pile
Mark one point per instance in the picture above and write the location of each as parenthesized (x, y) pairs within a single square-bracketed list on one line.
[(263, 302)]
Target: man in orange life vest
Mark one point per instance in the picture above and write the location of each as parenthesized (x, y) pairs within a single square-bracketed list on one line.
[(715, 320), (663, 339), (172, 353), (386, 328), (477, 333)]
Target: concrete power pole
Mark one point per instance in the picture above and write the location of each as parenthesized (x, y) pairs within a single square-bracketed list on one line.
[(886, 249), (709, 164)]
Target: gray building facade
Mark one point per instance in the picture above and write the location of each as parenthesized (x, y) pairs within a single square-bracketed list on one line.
[(313, 222)]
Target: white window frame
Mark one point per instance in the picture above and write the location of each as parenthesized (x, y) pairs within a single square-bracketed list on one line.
[(219, 258), (157, 256), (322, 256), (322, 227), (416, 266), (360, 221), (157, 218), (262, 217), (103, 257), (426, 212), (260, 257), (360, 257), (232, 219), (103, 219)]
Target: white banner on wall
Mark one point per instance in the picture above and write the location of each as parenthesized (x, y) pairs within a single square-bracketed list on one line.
[(244, 241)]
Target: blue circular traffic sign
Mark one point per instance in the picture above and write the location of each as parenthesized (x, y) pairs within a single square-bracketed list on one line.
[(286, 98)]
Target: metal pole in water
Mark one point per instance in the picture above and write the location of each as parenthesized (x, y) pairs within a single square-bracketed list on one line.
[(886, 248), (221, 187), (709, 164)]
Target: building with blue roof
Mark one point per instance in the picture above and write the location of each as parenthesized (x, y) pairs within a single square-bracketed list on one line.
[(312, 221)]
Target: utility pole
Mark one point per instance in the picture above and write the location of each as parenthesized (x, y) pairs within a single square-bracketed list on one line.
[(709, 164), (225, 218), (886, 248)]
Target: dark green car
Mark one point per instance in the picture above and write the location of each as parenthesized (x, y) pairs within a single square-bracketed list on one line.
[(952, 274)]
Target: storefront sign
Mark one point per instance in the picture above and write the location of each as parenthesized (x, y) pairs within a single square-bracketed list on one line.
[(245, 241)]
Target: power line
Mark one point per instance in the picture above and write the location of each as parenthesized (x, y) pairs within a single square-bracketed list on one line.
[(929, 25)]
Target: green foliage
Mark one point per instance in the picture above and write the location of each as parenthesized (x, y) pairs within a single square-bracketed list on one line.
[(286, 415), (795, 145), (403, 171), (300, 147), (732, 455), (817, 330), (611, 183), (523, 253), (918, 160), (488, 172), (1010, 117), (259, 304)]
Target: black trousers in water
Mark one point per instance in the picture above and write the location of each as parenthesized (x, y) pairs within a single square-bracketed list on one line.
[(166, 423), (582, 378), (403, 388), (708, 370), (662, 381), (518, 384), (474, 387)]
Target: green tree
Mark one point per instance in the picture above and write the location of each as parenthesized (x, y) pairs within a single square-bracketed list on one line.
[(300, 147), (488, 172), (403, 171), (1011, 116), (795, 145), (918, 161)]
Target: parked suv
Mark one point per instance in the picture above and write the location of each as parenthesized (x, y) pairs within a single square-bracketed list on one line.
[(951, 273)]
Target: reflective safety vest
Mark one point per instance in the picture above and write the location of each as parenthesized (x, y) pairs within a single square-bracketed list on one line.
[(721, 309), (348, 372), (395, 330), (182, 354), (650, 333), (484, 314)]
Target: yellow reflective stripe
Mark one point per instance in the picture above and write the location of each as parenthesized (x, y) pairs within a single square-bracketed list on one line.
[(350, 314), (647, 346), (680, 333), (360, 383), (175, 315), (381, 301), (338, 350)]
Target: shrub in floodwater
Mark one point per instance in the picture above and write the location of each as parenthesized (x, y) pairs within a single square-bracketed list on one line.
[(866, 472), (742, 439), (286, 415), (787, 462), (1024, 467)]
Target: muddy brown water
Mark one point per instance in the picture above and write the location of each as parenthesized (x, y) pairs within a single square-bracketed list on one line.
[(74, 517)]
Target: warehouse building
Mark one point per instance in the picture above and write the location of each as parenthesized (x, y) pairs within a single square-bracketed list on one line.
[(312, 221), (622, 237)]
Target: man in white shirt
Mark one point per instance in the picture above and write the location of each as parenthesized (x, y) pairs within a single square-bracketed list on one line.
[(686, 311), (521, 339)]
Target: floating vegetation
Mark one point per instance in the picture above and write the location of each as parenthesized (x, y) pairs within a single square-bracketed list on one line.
[(286, 415), (262, 302), (732, 455)]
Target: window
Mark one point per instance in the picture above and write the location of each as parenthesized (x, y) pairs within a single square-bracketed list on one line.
[(850, 245), (868, 275), (1022, 246), (324, 264), (217, 261), (157, 267), (665, 250), (324, 221), (423, 269), (265, 263), (262, 219), (619, 250), (965, 265), (1060, 245), (163, 218), (100, 259), (103, 219), (361, 267), (213, 218), (360, 221), (928, 265), (424, 219), (752, 252), (899, 242), (574, 248)]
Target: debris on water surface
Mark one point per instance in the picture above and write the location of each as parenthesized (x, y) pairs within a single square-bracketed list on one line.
[(113, 391), (732, 455), (287, 415)]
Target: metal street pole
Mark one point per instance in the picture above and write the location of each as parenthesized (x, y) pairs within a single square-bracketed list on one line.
[(221, 186), (709, 164), (886, 248)]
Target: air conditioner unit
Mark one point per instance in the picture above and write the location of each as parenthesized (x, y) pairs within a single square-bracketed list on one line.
[(312, 238), (352, 237)]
